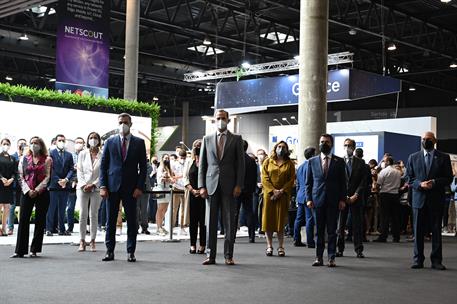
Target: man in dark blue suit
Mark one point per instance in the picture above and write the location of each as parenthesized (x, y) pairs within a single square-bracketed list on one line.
[(326, 193), (428, 171), (304, 214), (122, 177), (62, 173)]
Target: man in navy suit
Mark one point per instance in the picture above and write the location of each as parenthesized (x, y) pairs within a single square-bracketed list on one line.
[(122, 177), (428, 171), (326, 193), (62, 172), (304, 214)]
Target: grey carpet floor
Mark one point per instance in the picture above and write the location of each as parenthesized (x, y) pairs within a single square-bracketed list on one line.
[(167, 273)]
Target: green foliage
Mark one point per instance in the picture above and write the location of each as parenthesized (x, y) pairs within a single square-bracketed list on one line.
[(89, 102)]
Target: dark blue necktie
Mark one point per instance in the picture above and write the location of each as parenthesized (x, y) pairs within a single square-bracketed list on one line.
[(427, 162), (349, 167)]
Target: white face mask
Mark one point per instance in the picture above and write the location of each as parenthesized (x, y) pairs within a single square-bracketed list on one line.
[(221, 125), (79, 147), (124, 129), (93, 142), (5, 148), (60, 145)]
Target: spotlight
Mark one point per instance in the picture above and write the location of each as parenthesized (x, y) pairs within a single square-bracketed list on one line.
[(453, 65), (297, 57), (9, 78), (285, 119), (155, 98), (412, 88), (445, 1), (391, 46), (246, 65), (52, 80), (352, 32), (23, 37), (276, 120), (206, 41)]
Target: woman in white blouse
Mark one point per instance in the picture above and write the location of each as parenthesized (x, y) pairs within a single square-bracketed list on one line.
[(164, 181), (88, 189)]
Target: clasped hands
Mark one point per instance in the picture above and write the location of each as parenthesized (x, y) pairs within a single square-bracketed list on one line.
[(427, 185), (277, 194), (7, 182), (62, 182)]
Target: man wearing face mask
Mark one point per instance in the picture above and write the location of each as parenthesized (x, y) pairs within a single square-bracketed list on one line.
[(326, 193), (122, 177), (429, 171), (62, 172), (220, 178), (79, 146), (356, 185)]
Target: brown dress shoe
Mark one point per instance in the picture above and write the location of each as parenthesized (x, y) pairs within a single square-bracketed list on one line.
[(209, 261), (331, 263), (229, 261)]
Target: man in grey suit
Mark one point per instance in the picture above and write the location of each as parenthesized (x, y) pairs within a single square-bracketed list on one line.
[(220, 178)]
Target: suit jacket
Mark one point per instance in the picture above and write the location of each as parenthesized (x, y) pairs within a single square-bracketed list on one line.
[(250, 176), (123, 175), (357, 179), (62, 167), (227, 172), (330, 189), (301, 183), (87, 172), (440, 172)]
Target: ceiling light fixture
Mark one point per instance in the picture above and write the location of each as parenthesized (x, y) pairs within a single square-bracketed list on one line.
[(297, 57), (276, 120), (52, 80), (391, 46), (453, 65), (445, 1), (412, 88), (246, 65), (9, 78), (24, 37), (206, 41), (352, 32), (155, 98)]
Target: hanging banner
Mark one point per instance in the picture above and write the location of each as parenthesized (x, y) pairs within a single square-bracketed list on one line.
[(342, 85), (82, 54)]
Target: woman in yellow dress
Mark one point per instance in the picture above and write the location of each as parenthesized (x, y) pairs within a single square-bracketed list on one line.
[(278, 178)]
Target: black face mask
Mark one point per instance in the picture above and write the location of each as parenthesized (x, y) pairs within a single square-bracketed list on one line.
[(166, 163), (155, 162), (325, 148), (197, 151), (427, 144)]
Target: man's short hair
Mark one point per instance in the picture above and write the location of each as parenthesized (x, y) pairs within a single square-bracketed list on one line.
[(222, 111), (328, 136), (359, 152), (351, 140), (60, 135), (389, 161), (310, 152), (125, 115)]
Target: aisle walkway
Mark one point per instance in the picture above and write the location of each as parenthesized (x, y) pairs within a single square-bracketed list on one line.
[(166, 273)]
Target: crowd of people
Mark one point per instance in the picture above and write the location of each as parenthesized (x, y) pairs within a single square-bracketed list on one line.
[(220, 187)]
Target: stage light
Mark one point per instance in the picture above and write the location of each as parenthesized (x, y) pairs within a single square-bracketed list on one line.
[(207, 41), (9, 78), (297, 57), (23, 37), (453, 65), (412, 88), (52, 80), (246, 65), (352, 32), (391, 46)]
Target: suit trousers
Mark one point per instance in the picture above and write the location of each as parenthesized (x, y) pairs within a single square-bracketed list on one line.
[(356, 211), (71, 203), (112, 210), (58, 201), (226, 203), (422, 217), (326, 218), (310, 223), (197, 220), (300, 220), (390, 213), (142, 211), (245, 201), (180, 203), (83, 199), (41, 204)]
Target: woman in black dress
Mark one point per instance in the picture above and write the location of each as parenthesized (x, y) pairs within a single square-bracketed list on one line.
[(8, 173), (197, 203)]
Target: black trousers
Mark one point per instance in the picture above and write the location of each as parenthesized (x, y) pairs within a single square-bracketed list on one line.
[(245, 201), (422, 218), (356, 210), (41, 204), (390, 214), (197, 209)]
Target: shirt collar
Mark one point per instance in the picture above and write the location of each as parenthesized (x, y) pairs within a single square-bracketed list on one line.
[(219, 133), (431, 152), (126, 137), (323, 156)]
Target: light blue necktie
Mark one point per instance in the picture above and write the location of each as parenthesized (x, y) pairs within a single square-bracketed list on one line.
[(427, 162)]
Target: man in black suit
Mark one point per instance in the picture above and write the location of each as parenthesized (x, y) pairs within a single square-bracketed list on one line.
[(356, 184), (429, 171), (245, 199)]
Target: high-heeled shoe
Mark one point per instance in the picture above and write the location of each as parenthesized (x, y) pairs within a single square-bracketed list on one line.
[(82, 246), (192, 250), (201, 250), (92, 246)]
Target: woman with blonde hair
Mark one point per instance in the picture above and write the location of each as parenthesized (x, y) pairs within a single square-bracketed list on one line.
[(164, 181), (278, 178)]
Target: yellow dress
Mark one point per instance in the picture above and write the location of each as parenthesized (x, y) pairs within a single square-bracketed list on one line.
[(275, 213)]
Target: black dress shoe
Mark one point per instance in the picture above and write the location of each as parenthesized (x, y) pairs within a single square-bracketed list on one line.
[(438, 266), (299, 244), (311, 246), (396, 241), (360, 255), (109, 256), (331, 263), (251, 240), (417, 266), (379, 240), (209, 261), (48, 233), (339, 254), (17, 255), (192, 251), (146, 232), (131, 257), (318, 262)]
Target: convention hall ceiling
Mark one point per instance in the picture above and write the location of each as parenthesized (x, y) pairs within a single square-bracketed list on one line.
[(180, 36)]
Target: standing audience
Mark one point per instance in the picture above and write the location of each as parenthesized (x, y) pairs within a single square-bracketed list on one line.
[(8, 174), (164, 182), (71, 203), (34, 174), (278, 178)]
